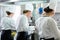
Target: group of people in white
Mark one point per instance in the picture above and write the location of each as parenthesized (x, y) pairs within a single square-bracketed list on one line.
[(45, 25)]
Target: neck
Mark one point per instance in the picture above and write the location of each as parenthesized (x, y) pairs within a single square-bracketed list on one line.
[(47, 15), (26, 15), (9, 16)]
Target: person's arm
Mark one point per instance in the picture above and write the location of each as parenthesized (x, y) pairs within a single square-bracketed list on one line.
[(1, 24), (53, 26), (37, 25), (13, 25), (25, 23)]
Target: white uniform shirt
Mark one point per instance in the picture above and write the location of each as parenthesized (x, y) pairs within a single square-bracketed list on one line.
[(7, 23), (24, 25), (47, 27)]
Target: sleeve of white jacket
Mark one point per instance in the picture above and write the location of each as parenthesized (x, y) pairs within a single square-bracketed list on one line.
[(26, 24), (1, 24), (53, 25), (13, 25), (37, 25)]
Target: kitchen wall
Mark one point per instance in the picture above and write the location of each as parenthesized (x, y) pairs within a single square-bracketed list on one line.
[(57, 18)]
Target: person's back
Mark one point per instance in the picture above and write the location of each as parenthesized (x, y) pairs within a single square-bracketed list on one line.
[(47, 27), (41, 23), (7, 23)]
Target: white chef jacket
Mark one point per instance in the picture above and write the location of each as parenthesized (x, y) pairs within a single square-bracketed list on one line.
[(7, 23), (47, 27), (24, 25)]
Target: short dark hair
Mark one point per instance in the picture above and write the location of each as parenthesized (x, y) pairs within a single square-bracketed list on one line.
[(25, 11), (8, 13), (47, 10)]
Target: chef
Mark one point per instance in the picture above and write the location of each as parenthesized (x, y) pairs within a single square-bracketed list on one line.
[(47, 26), (7, 24)]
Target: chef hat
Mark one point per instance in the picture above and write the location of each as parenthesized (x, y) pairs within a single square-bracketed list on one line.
[(10, 9)]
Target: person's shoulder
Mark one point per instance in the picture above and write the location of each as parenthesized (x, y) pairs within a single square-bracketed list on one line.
[(50, 19), (3, 18), (38, 19), (23, 16)]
